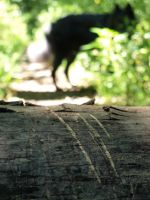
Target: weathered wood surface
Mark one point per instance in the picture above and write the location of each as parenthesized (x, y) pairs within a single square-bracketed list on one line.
[(74, 153)]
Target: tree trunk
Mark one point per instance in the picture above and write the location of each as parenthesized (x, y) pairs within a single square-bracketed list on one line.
[(72, 152)]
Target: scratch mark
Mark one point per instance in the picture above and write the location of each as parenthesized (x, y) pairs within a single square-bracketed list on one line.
[(80, 145), (96, 137), (101, 125)]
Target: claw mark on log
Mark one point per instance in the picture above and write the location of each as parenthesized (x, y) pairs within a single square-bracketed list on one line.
[(97, 139), (101, 125), (80, 145)]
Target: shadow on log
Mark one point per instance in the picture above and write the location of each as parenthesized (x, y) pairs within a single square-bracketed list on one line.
[(72, 152), (77, 92)]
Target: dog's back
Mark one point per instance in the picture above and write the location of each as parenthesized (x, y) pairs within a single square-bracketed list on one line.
[(70, 32)]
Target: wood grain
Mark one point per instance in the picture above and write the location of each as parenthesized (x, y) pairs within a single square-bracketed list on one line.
[(71, 152)]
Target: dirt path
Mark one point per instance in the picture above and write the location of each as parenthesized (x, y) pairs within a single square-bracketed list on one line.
[(34, 83)]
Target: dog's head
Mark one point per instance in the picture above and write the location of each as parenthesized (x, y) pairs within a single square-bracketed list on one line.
[(122, 18), (125, 12)]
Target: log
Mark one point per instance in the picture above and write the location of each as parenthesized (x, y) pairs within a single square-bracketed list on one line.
[(71, 152)]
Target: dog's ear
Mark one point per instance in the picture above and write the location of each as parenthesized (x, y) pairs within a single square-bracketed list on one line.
[(128, 6), (117, 8), (129, 11)]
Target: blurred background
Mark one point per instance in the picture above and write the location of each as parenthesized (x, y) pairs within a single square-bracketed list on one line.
[(116, 70)]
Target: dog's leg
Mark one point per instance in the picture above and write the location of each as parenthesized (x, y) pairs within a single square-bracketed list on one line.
[(57, 61), (69, 61)]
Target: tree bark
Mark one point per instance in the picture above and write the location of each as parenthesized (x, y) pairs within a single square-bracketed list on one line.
[(72, 152)]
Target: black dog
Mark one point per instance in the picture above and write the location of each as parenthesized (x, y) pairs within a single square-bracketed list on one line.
[(68, 34)]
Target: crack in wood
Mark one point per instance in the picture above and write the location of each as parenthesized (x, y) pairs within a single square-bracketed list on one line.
[(115, 113), (127, 112), (108, 108)]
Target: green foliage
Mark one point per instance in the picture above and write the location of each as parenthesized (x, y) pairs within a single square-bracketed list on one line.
[(30, 10), (12, 41), (122, 65)]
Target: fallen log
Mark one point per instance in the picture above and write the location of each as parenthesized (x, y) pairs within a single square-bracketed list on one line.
[(72, 152)]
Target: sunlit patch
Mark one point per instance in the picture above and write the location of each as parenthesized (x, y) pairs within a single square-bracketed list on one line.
[(97, 1)]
